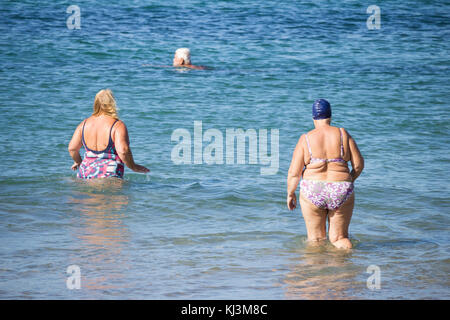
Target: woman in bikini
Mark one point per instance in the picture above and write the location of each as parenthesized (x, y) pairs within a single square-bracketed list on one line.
[(327, 185), (105, 139)]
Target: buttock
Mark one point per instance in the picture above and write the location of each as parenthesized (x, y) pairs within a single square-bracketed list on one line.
[(100, 168), (326, 194)]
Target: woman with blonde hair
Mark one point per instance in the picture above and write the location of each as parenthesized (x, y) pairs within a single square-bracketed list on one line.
[(105, 139)]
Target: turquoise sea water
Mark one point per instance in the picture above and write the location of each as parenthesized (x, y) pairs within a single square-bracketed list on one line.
[(216, 231)]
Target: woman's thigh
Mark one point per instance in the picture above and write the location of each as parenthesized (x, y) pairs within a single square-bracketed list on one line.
[(339, 220), (315, 220)]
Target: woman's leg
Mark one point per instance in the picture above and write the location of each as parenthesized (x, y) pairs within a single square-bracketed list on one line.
[(315, 220), (338, 222)]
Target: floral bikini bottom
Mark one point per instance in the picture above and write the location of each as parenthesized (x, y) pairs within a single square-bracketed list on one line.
[(326, 194)]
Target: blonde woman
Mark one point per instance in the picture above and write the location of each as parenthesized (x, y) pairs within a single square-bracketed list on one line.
[(105, 139)]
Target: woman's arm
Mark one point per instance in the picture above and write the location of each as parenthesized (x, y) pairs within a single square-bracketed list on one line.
[(295, 173), (122, 143), (356, 158), (75, 146)]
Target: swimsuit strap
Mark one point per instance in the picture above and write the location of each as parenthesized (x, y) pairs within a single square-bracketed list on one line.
[(110, 131), (342, 145), (82, 135), (309, 148)]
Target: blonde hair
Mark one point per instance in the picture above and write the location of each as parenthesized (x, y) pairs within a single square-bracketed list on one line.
[(105, 103), (184, 53)]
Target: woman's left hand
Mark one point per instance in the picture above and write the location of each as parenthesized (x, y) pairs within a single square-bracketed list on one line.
[(75, 166)]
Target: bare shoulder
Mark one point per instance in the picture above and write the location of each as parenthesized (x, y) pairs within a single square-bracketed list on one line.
[(119, 129), (302, 143), (121, 125), (80, 125), (310, 132), (302, 138), (345, 134)]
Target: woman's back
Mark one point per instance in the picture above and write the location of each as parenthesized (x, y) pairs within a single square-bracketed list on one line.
[(326, 154), (97, 132)]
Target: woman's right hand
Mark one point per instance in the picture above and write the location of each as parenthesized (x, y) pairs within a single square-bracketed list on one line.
[(140, 169), (291, 201)]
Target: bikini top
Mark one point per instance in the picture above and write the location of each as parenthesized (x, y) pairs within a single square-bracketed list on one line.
[(314, 160), (109, 149)]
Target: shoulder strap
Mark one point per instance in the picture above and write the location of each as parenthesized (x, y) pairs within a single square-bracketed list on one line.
[(82, 134), (110, 131), (342, 144), (309, 148)]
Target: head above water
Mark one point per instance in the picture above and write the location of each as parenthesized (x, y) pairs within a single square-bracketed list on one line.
[(321, 109), (105, 104), (182, 57)]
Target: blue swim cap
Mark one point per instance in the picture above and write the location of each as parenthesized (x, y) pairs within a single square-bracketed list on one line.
[(321, 109)]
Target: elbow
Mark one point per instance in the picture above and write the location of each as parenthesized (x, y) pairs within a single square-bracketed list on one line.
[(123, 150), (72, 149), (293, 175), (360, 166), (289, 175)]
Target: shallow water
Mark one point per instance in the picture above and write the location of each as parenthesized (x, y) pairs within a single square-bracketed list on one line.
[(222, 231)]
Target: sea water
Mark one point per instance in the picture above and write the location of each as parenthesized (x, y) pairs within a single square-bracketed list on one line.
[(221, 230)]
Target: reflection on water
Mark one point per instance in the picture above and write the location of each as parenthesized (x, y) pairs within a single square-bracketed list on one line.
[(101, 233), (320, 271)]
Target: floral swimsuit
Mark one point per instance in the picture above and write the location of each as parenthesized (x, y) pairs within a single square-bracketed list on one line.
[(101, 164)]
